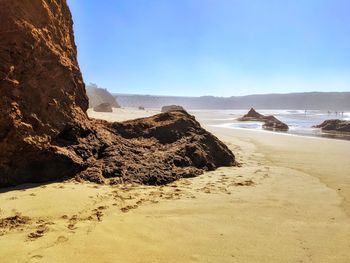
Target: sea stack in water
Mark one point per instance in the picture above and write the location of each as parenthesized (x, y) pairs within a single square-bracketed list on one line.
[(45, 133), (172, 108), (334, 125), (270, 122)]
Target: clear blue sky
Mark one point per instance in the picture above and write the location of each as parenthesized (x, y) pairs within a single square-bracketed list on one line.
[(214, 47)]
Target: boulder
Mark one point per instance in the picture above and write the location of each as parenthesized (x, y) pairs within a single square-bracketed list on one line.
[(252, 115), (45, 133), (270, 122), (334, 125), (103, 107), (172, 108)]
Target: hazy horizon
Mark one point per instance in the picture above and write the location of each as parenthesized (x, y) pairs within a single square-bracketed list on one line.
[(206, 48), (198, 96)]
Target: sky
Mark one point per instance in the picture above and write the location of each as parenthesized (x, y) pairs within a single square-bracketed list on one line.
[(213, 47)]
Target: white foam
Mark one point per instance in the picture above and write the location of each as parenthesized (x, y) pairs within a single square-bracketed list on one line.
[(229, 126)]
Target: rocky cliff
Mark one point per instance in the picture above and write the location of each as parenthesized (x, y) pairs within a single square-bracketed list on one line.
[(45, 133), (42, 91), (98, 96)]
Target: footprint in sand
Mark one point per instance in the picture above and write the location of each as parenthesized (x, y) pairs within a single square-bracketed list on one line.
[(40, 232), (62, 239), (139, 202), (35, 258), (245, 183), (72, 222), (126, 209), (205, 190), (98, 213)]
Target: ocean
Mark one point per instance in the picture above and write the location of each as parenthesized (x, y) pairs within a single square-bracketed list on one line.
[(299, 121)]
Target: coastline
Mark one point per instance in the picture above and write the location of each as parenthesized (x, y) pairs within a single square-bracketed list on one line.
[(283, 204)]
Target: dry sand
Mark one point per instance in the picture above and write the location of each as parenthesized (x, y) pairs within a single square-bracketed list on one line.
[(122, 114), (289, 202)]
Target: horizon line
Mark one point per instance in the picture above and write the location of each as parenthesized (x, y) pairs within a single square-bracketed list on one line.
[(239, 96)]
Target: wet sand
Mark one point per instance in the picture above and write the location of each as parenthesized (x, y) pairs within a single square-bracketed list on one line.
[(289, 202)]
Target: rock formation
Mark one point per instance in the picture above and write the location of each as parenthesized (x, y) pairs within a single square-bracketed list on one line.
[(334, 125), (270, 122), (141, 108), (98, 96), (172, 108), (42, 91), (103, 107), (155, 150), (45, 133)]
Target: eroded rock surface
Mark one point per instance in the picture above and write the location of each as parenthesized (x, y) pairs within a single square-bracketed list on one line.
[(45, 133), (335, 125), (154, 150), (270, 122)]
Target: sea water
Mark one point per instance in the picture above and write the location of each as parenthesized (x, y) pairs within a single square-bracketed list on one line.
[(300, 122)]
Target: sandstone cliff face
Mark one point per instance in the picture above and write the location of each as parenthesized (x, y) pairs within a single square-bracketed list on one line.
[(98, 96), (41, 85), (45, 133)]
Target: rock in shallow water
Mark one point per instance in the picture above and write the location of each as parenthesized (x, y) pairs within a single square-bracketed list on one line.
[(335, 125), (270, 122), (45, 133)]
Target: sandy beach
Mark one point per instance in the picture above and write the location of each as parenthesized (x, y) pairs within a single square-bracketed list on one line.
[(288, 202)]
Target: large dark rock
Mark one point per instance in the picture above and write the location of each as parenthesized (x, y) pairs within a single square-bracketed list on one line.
[(252, 115), (334, 125), (172, 108), (270, 122), (156, 150), (41, 90), (274, 124), (45, 133), (103, 107)]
